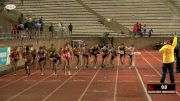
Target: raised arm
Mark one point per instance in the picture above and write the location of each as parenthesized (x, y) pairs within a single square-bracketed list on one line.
[(174, 41)]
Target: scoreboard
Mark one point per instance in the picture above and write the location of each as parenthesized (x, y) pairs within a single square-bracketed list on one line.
[(161, 88)]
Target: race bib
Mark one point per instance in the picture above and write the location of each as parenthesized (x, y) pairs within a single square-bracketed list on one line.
[(121, 52)]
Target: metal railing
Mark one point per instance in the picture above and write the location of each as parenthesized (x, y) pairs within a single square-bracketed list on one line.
[(32, 34)]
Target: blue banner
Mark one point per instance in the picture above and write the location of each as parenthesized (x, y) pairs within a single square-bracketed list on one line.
[(4, 56)]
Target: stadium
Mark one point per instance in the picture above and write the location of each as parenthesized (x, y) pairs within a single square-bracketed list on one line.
[(89, 50)]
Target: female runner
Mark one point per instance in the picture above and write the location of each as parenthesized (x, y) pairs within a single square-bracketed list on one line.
[(67, 56), (122, 52), (104, 54), (42, 55), (94, 52)]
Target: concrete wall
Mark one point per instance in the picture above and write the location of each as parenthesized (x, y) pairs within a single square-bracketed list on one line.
[(138, 42)]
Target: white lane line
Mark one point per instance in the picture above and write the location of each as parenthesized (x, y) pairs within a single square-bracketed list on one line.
[(89, 84), (30, 87), (156, 69), (55, 90), (10, 83), (79, 80), (149, 75), (115, 87), (100, 91), (143, 85), (9, 99)]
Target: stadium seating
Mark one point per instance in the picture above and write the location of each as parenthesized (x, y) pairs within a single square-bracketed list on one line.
[(66, 11), (177, 3), (154, 13)]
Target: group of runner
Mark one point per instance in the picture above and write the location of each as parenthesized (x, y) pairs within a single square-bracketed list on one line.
[(66, 54)]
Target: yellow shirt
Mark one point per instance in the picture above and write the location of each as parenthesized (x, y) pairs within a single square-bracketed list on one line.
[(168, 51)]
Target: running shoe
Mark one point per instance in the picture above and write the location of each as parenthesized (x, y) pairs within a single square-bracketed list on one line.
[(69, 73), (42, 74)]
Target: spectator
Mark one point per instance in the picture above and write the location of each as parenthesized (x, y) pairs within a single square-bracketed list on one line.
[(37, 27), (14, 30), (140, 29), (60, 28), (135, 29), (29, 27), (51, 30), (144, 30), (21, 19), (177, 53), (19, 30), (42, 25), (168, 59), (70, 27), (150, 32)]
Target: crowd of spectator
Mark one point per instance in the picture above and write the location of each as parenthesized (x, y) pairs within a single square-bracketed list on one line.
[(31, 27), (60, 29), (141, 30)]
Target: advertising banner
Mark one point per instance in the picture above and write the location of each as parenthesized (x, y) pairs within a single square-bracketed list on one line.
[(4, 56)]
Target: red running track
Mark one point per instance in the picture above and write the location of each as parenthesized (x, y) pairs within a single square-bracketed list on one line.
[(149, 65), (86, 84)]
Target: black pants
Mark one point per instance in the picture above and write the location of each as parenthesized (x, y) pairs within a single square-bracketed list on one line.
[(169, 67), (177, 64)]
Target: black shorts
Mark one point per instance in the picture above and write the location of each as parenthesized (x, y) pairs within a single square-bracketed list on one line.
[(85, 55), (112, 57), (104, 56), (76, 55), (95, 55), (121, 55), (41, 59), (15, 60), (131, 56)]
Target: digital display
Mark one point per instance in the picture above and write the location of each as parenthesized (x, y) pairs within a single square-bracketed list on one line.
[(161, 88)]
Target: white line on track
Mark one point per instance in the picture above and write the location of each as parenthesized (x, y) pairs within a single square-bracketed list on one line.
[(49, 95), (115, 87), (55, 90), (11, 98), (156, 69), (89, 84), (28, 88), (10, 83), (142, 83)]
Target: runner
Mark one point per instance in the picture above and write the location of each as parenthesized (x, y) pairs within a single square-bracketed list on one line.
[(113, 55), (67, 56), (95, 52), (60, 52), (86, 53), (50, 51), (77, 52), (27, 55), (55, 57), (42, 55), (14, 56), (33, 55), (122, 52), (131, 57), (104, 53)]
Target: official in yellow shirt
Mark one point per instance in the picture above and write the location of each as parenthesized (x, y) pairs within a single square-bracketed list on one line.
[(168, 59)]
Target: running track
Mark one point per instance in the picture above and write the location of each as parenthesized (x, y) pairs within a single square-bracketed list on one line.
[(102, 84)]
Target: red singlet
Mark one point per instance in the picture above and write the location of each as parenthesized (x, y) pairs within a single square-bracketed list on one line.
[(66, 53)]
